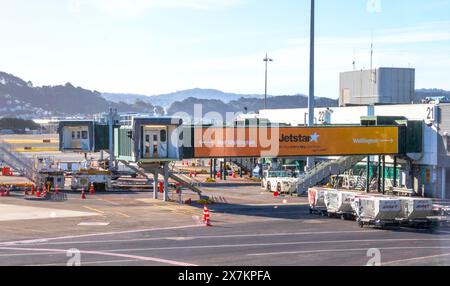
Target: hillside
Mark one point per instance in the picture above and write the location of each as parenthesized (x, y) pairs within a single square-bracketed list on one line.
[(19, 98), (166, 100), (22, 99), (249, 104)]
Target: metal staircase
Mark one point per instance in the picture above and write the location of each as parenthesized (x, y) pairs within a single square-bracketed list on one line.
[(185, 184), (325, 170), (361, 184), (17, 161), (172, 175)]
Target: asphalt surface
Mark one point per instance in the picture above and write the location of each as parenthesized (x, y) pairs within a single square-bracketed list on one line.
[(250, 228), (244, 235)]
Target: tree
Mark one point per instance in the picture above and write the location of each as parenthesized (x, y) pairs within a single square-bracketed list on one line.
[(159, 111)]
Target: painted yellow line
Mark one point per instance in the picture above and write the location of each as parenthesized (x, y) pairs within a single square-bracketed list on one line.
[(32, 150), (31, 141), (123, 214), (94, 210)]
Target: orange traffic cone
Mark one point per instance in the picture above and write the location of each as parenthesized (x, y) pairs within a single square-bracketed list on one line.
[(38, 193), (276, 194), (206, 216), (83, 194), (190, 174), (92, 189), (195, 174), (33, 190), (56, 190)]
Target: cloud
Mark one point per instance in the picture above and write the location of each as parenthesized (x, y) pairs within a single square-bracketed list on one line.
[(126, 9)]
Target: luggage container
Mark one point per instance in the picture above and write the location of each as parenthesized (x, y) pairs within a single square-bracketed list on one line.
[(316, 198), (378, 211), (416, 208), (340, 204)]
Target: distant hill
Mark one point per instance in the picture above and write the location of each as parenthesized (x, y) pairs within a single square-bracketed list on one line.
[(19, 98), (125, 97), (424, 93), (249, 104), (166, 100)]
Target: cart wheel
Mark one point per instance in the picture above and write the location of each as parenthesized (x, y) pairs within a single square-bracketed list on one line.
[(361, 224), (324, 214)]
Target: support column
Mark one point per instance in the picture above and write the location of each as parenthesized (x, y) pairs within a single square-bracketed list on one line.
[(383, 185), (211, 168), (409, 182), (368, 175), (443, 187), (379, 174), (225, 169), (241, 168), (395, 172), (155, 184), (166, 182)]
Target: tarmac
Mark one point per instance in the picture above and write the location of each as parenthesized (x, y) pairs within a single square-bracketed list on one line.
[(250, 227)]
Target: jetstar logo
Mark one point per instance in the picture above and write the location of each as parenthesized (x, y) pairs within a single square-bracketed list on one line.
[(291, 138)]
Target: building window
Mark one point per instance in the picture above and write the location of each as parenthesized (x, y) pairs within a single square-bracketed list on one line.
[(84, 135), (163, 135)]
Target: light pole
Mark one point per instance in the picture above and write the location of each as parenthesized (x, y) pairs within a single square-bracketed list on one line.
[(266, 60), (311, 98)]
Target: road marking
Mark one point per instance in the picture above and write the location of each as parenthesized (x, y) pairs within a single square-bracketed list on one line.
[(122, 214), (87, 263), (134, 257), (98, 234), (94, 223), (416, 258), (346, 250), (46, 242), (109, 202), (264, 245), (94, 210), (276, 204)]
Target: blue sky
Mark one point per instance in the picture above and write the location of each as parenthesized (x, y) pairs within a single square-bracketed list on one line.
[(158, 46)]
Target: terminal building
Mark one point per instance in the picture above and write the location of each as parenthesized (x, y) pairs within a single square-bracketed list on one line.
[(377, 86), (381, 93)]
